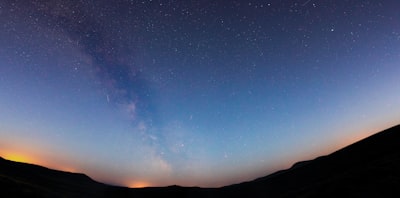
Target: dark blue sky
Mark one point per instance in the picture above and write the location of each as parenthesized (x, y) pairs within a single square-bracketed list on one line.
[(204, 93)]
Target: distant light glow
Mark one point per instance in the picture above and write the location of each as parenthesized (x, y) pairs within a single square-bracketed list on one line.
[(193, 93), (138, 184), (17, 157)]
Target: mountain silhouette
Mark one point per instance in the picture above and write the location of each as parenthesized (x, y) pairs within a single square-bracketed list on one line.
[(368, 168)]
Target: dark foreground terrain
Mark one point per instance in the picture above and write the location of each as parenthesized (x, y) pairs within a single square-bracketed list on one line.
[(368, 168)]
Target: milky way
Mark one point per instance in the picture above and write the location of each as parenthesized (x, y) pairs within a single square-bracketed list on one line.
[(205, 93)]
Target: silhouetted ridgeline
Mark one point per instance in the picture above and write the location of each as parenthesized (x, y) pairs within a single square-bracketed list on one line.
[(368, 168)]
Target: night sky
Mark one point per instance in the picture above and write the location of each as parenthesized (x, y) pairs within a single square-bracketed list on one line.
[(194, 93)]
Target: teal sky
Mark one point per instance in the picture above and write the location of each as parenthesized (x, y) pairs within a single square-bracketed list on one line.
[(193, 93)]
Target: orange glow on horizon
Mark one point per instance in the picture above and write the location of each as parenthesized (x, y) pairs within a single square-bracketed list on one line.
[(32, 159), (138, 184), (18, 157)]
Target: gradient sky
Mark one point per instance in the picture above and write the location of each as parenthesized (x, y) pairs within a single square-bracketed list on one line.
[(205, 93)]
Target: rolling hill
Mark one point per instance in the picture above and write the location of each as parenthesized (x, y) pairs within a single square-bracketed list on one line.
[(368, 168)]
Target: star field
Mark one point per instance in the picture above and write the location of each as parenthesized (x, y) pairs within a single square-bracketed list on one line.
[(193, 93)]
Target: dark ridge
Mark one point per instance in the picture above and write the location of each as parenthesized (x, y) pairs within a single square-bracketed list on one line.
[(368, 168), (24, 179)]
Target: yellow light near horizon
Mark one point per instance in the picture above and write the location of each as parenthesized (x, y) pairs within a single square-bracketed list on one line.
[(25, 158), (138, 184), (17, 157)]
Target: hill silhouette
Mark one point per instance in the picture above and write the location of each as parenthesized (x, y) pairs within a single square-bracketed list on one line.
[(368, 168)]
